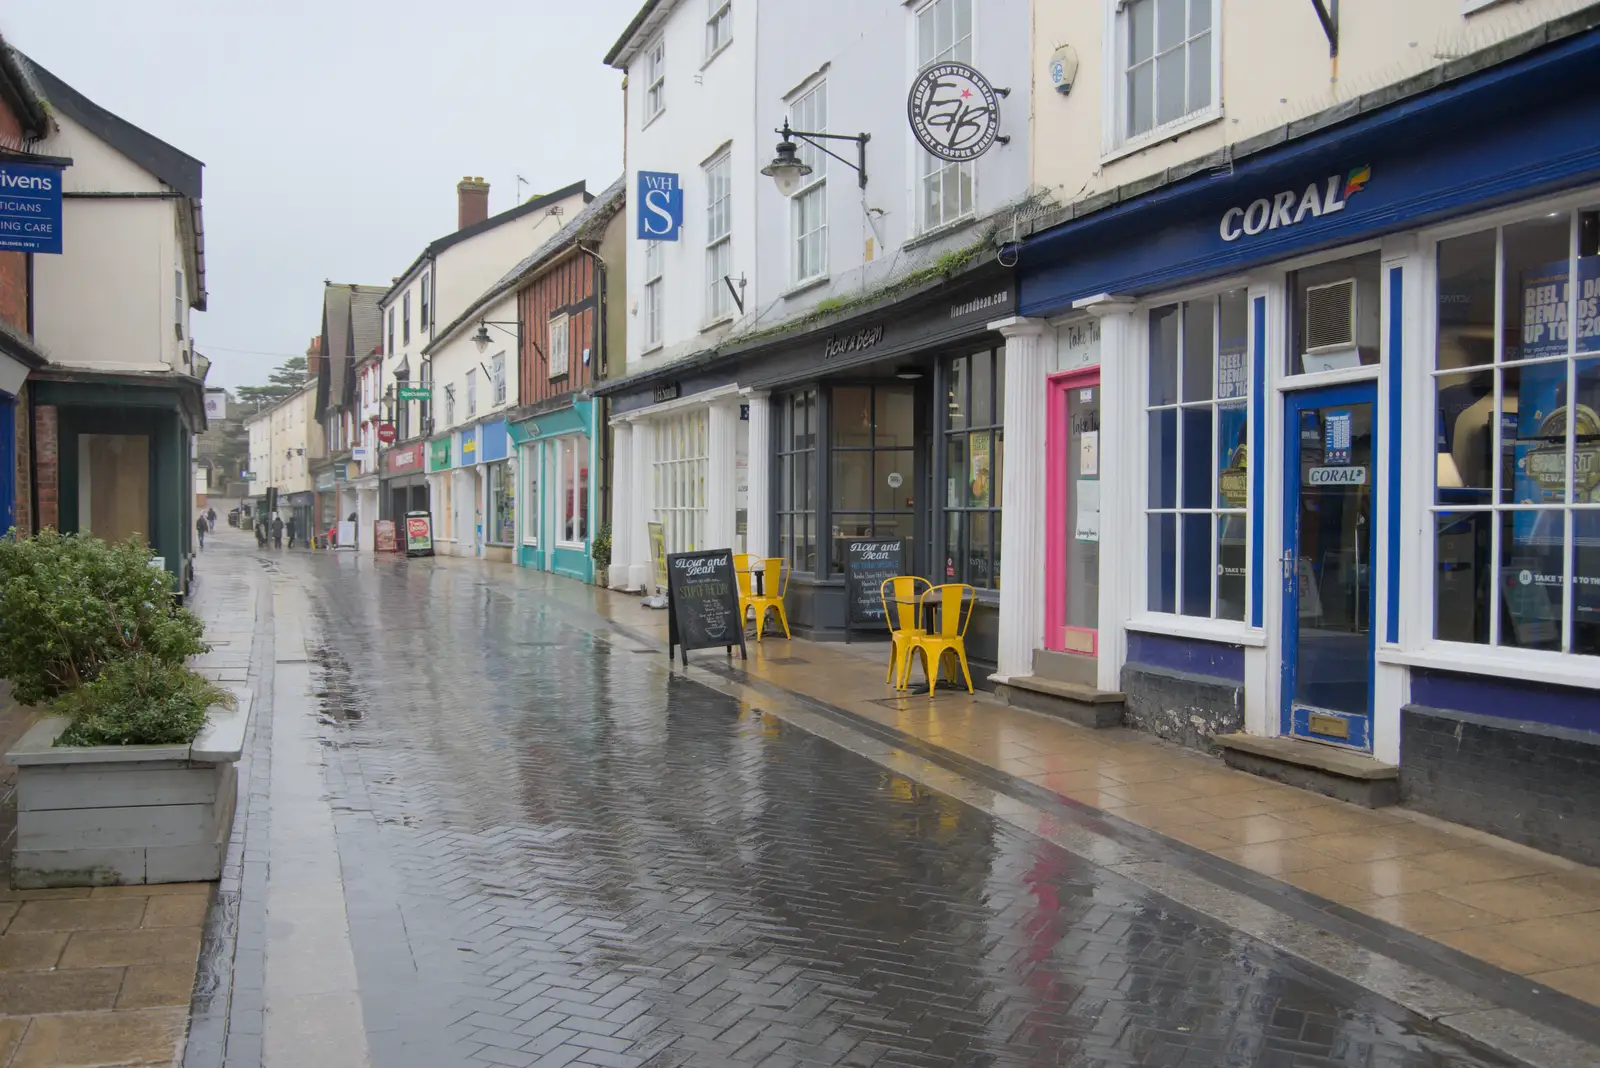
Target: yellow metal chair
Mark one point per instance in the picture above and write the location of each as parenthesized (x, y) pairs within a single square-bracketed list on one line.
[(954, 601), (741, 572), (902, 610), (774, 577)]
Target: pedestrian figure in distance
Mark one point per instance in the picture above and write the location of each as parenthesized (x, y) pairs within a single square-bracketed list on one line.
[(200, 527), (277, 532), (261, 532), (211, 517), (293, 526)]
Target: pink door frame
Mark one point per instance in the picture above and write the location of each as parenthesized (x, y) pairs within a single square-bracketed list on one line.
[(1057, 497)]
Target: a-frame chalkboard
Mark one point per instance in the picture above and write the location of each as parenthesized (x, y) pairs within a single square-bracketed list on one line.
[(703, 603), (867, 562)]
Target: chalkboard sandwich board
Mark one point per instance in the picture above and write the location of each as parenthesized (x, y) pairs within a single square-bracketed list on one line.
[(703, 603), (867, 562)]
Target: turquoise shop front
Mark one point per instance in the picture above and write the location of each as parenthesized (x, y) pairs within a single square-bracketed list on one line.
[(555, 453)]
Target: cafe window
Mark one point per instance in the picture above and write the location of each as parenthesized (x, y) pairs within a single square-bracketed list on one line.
[(680, 480), (502, 504), (797, 479), (1516, 470), (572, 490), (1198, 421), (975, 454), (533, 460), (873, 456)]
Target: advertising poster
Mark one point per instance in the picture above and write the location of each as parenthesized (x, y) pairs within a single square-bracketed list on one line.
[(978, 466), (1233, 456)]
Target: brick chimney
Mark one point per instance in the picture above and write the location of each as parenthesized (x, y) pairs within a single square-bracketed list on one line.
[(314, 357), (472, 202)]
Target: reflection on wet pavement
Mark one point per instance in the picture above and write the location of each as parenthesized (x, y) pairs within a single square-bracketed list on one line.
[(554, 851)]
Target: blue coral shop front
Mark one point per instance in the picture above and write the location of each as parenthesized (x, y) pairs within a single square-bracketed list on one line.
[(1348, 412), (556, 453)]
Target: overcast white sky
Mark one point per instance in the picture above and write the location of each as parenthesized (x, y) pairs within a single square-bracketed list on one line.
[(334, 131)]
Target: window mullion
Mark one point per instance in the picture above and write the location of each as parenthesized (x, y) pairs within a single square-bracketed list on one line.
[(1570, 462)]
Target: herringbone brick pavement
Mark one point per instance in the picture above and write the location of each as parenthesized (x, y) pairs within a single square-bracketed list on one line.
[(556, 852)]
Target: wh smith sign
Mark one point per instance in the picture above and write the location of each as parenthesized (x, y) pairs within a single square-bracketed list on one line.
[(30, 208), (660, 206)]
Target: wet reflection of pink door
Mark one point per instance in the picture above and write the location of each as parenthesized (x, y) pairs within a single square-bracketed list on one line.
[(1072, 517)]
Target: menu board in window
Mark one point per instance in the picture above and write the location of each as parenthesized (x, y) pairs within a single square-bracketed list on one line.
[(867, 563), (703, 603)]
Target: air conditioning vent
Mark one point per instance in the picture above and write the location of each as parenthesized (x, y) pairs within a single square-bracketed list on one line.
[(1331, 317)]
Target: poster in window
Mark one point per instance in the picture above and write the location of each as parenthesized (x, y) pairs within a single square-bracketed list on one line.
[(978, 466), (1233, 374), (1086, 496), (1233, 455)]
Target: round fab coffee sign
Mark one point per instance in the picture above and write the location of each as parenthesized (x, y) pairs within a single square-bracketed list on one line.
[(954, 112)]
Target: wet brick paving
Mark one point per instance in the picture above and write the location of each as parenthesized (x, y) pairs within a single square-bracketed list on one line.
[(556, 852)]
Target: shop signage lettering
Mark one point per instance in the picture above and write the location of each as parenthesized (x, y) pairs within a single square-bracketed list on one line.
[(993, 300), (1292, 207), (660, 206), (867, 565), (30, 208), (401, 459), (415, 393), (666, 392), (1336, 476), (856, 341), (419, 533), (954, 112)]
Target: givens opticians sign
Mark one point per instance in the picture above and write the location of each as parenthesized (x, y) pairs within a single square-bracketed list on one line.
[(1292, 207), (30, 208)]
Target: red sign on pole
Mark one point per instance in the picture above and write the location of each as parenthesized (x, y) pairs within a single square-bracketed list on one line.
[(386, 432)]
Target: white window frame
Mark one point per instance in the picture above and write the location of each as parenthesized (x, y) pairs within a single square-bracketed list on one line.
[(1141, 616), (177, 301), (533, 460), (497, 373), (405, 318), (570, 448), (472, 392), (449, 406), (679, 469), (718, 175), (1419, 647), (559, 344), (929, 168), (655, 80), (1116, 142), (422, 322), (804, 115), (654, 295), (719, 27)]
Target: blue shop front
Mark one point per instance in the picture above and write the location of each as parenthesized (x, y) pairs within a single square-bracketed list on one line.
[(1346, 417), (556, 454)]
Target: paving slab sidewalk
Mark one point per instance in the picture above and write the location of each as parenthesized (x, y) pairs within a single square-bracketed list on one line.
[(1528, 913), (104, 976)]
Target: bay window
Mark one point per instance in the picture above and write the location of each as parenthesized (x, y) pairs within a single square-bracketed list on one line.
[(873, 457), (1516, 500), (1198, 425)]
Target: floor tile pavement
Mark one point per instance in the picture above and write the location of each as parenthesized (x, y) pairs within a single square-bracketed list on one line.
[(105, 976), (1517, 909)]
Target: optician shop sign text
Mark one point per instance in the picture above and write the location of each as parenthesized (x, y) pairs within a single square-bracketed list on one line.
[(30, 208)]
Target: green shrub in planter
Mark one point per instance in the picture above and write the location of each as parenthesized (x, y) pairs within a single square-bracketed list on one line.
[(600, 547), (70, 605), (138, 700)]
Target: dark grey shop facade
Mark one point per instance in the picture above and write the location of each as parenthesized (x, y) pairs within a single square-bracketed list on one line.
[(887, 422)]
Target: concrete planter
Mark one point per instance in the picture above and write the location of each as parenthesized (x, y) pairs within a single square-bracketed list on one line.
[(123, 814)]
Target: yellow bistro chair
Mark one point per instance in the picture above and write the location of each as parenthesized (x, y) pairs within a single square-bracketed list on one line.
[(902, 610), (741, 572), (955, 601), (775, 577)]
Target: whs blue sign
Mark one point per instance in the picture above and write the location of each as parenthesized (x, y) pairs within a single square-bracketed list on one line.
[(30, 208), (660, 206)]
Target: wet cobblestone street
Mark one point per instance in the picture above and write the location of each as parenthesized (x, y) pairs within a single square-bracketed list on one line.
[(554, 851)]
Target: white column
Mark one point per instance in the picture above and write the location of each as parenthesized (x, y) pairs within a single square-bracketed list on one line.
[(644, 506), (1022, 496), (1121, 483), (758, 539), (721, 456), (622, 506)]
